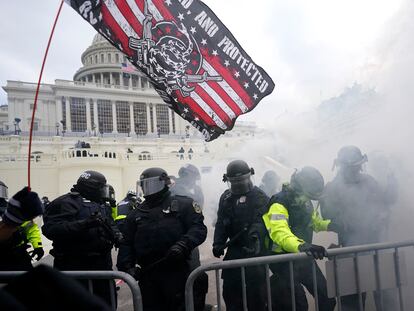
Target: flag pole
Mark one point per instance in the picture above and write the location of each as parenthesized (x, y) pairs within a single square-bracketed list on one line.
[(37, 92)]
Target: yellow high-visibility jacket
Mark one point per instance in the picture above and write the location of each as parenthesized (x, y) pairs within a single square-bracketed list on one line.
[(282, 238), (32, 233)]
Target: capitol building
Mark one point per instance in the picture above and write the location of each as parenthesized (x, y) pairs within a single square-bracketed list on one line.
[(109, 118)]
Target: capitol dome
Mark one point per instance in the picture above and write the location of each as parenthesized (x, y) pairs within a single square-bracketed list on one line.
[(102, 64)]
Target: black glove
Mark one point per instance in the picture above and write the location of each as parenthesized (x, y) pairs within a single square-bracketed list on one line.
[(135, 272), (38, 253), (178, 252), (316, 251), (218, 251), (253, 248), (23, 206), (93, 221)]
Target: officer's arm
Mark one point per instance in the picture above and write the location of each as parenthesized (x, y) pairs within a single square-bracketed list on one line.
[(126, 255), (220, 232), (276, 221), (60, 221), (318, 223), (262, 203), (194, 222), (33, 235)]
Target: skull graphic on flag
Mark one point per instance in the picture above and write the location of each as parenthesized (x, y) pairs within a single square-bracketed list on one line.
[(169, 55)]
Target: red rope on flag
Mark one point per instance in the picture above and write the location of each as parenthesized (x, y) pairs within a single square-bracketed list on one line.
[(37, 92)]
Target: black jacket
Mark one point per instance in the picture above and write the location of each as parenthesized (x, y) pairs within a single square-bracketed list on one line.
[(238, 213), (64, 224), (360, 208), (152, 228)]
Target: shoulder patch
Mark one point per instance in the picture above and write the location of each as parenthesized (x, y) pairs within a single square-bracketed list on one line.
[(197, 207)]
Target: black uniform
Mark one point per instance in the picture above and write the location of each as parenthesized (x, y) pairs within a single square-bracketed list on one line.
[(353, 205), (75, 246), (300, 220), (361, 209), (149, 232), (123, 209), (236, 215), (182, 186), (14, 255)]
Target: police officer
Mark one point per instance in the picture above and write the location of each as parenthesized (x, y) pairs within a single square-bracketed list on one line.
[(82, 229), (290, 222), (14, 255), (240, 210), (270, 183), (357, 203), (188, 184), (127, 205), (159, 237)]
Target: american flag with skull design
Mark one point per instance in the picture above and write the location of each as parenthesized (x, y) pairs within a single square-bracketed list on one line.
[(193, 61)]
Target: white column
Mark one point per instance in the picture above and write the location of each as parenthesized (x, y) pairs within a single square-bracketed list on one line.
[(93, 78), (114, 124), (88, 115), (130, 82), (121, 80), (154, 114), (170, 116), (148, 119), (139, 82), (131, 119), (111, 81), (95, 115), (102, 78), (68, 119), (58, 111)]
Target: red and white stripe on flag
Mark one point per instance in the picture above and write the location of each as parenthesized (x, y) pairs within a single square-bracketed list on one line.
[(192, 59)]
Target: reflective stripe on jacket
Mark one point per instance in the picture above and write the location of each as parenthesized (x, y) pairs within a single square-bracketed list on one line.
[(276, 221)]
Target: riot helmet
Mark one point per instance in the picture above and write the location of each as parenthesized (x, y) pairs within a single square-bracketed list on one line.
[(131, 196), (3, 191), (270, 182), (108, 193), (91, 185), (308, 181), (189, 171), (350, 156), (349, 161), (238, 177), (153, 181)]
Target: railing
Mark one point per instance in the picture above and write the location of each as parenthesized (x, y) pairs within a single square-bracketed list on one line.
[(6, 276), (372, 261)]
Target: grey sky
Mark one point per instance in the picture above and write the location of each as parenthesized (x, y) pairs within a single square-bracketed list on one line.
[(311, 49)]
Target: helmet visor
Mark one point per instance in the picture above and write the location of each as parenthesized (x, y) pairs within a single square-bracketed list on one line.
[(150, 185), (107, 194), (3, 192), (240, 184)]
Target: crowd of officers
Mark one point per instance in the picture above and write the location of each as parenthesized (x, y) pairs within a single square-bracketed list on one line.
[(157, 233)]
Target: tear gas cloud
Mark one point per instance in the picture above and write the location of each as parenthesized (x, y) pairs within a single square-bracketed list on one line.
[(373, 114)]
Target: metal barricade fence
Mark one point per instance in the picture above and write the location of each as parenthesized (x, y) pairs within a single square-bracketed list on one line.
[(6, 276), (379, 264)]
